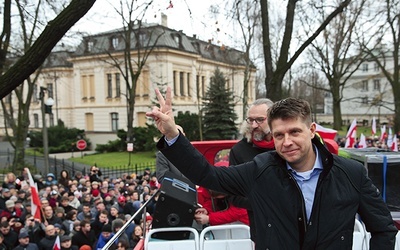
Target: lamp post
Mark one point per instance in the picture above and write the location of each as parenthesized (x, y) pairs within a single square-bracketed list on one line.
[(49, 102)]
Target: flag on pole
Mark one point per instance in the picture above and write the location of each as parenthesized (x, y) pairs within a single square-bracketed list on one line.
[(351, 134), (363, 142), (57, 244), (373, 126), (35, 200), (395, 146), (383, 134)]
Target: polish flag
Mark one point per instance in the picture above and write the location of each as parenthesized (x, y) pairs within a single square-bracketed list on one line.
[(351, 134), (383, 134), (363, 142), (373, 126), (395, 146), (35, 200), (57, 244), (326, 133)]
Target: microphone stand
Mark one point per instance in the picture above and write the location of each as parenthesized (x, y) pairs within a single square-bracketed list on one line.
[(117, 234)]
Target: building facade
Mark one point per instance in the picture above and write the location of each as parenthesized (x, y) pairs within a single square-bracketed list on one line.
[(89, 88)]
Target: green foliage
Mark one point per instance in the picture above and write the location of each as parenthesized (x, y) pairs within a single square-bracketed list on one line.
[(219, 114), (61, 138), (190, 123), (143, 140)]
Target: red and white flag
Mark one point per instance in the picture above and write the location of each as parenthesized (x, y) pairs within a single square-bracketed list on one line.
[(373, 126), (351, 134), (326, 133), (35, 200), (57, 244), (395, 145), (363, 142), (383, 134)]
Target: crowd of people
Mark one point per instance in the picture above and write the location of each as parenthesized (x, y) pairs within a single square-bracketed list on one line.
[(82, 211)]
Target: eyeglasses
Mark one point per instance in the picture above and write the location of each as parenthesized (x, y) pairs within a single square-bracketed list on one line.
[(258, 120)]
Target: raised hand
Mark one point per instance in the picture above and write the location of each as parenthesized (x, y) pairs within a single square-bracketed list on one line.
[(163, 115)]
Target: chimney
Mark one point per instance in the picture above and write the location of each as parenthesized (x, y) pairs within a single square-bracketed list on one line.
[(164, 20)]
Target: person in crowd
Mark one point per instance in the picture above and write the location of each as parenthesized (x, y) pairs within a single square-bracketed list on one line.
[(10, 181), (122, 245), (68, 223), (104, 237), (10, 237), (48, 241), (163, 164), (116, 225), (24, 244), (100, 221), (66, 243), (49, 217), (302, 196), (95, 174), (217, 210), (64, 178), (85, 236), (33, 228), (5, 196), (76, 227), (136, 236), (10, 211), (86, 213), (50, 180), (256, 139), (64, 203)]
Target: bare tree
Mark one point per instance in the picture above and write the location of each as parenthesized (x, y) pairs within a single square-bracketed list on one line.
[(139, 42), (275, 73), (337, 55), (34, 54), (388, 30)]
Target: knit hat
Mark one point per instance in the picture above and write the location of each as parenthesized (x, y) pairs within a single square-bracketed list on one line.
[(65, 238), (23, 234), (10, 203), (106, 228), (117, 223)]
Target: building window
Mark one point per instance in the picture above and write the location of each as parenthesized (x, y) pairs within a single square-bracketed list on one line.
[(90, 46), (117, 85), (115, 42), (377, 84), (35, 93), (109, 86), (181, 83), (365, 67), (114, 121), (89, 121), (36, 120), (188, 84), (365, 85), (376, 67), (364, 100), (87, 87), (50, 93)]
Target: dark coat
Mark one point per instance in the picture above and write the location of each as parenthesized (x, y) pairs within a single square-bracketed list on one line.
[(47, 242), (30, 246), (79, 239), (343, 190)]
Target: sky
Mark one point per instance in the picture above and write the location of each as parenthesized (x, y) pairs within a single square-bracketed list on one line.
[(190, 16)]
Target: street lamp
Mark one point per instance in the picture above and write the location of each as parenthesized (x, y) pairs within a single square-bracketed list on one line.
[(46, 108)]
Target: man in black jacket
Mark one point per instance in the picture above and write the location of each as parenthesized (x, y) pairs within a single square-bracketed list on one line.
[(85, 236), (257, 139), (302, 196)]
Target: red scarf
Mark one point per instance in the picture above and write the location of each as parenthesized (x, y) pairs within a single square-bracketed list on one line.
[(264, 144)]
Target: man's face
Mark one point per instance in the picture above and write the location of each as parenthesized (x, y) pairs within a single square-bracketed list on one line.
[(106, 235), (86, 209), (6, 194), (50, 230), (5, 230), (292, 139), (102, 218), (48, 211), (259, 130), (86, 228)]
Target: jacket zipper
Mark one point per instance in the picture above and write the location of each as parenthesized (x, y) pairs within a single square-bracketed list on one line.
[(303, 205)]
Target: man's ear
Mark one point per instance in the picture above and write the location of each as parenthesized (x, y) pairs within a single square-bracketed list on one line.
[(313, 129)]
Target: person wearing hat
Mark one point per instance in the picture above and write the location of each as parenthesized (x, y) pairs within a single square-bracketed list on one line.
[(50, 180), (10, 211), (66, 243), (24, 243), (116, 225), (5, 195), (105, 236)]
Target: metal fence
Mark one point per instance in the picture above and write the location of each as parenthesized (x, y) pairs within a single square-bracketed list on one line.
[(57, 165)]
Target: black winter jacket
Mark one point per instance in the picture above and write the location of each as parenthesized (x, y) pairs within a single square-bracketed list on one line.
[(343, 190)]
